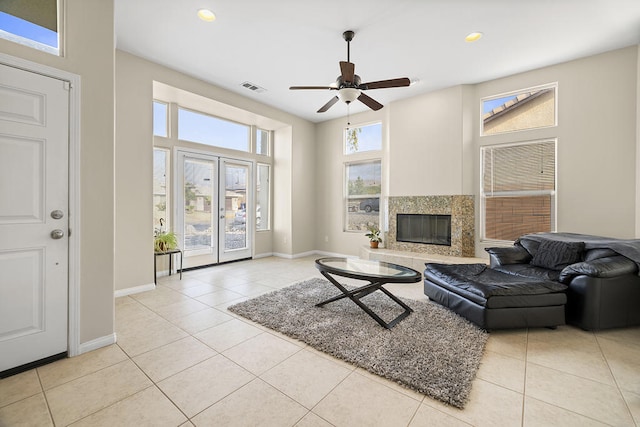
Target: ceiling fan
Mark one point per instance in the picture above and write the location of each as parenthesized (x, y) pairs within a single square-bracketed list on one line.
[(349, 86)]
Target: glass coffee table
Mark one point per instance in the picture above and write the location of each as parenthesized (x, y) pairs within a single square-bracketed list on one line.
[(377, 273)]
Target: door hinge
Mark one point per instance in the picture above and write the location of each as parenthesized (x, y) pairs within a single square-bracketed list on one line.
[(67, 85)]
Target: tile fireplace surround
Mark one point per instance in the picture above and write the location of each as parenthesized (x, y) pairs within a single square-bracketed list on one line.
[(462, 211)]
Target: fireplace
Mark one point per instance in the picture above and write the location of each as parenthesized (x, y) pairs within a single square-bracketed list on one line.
[(424, 228), (459, 224)]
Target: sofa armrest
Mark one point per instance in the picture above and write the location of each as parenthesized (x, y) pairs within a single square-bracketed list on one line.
[(602, 267), (508, 255)]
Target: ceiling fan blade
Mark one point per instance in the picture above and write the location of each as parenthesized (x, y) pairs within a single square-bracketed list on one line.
[(347, 69), (328, 105), (369, 102), (311, 87), (401, 82)]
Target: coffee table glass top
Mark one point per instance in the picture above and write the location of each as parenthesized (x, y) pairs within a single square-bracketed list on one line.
[(369, 268)]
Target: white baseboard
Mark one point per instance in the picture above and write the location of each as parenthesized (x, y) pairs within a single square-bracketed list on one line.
[(335, 254), (134, 290), (311, 253), (264, 255), (97, 343), (280, 255), (304, 254)]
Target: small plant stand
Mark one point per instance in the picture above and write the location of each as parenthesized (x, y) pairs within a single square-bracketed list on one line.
[(170, 252)]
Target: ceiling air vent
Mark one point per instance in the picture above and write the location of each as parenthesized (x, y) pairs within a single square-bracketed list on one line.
[(252, 87)]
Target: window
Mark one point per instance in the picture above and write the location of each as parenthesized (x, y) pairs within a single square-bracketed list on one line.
[(263, 138), (160, 122), (518, 189), (363, 194), (263, 183), (160, 190), (365, 138), (34, 24), (527, 109), (209, 130)]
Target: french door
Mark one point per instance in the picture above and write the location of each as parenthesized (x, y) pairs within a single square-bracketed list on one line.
[(214, 216)]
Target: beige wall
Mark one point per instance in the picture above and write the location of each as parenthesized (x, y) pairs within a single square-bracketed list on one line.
[(292, 167), (426, 144), (89, 52)]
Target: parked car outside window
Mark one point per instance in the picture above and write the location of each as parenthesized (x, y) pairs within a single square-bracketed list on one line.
[(368, 205)]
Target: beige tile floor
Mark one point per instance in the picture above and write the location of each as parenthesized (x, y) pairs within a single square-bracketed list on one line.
[(182, 359)]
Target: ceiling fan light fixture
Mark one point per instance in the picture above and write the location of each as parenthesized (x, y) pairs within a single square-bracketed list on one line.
[(206, 15), (473, 37), (348, 94)]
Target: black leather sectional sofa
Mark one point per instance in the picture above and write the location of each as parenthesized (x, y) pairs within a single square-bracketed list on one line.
[(544, 280)]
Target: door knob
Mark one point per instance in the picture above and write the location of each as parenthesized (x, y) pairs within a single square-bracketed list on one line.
[(57, 234)]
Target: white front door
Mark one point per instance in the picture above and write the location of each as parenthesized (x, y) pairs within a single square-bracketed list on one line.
[(34, 226)]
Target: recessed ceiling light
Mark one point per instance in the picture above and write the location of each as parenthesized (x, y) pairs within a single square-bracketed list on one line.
[(473, 37), (206, 15)]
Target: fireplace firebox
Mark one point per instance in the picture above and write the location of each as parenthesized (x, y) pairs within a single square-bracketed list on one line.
[(424, 228)]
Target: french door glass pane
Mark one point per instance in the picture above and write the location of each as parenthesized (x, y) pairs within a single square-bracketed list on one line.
[(235, 202), (198, 193)]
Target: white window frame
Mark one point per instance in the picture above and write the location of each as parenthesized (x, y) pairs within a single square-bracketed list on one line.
[(190, 110), (255, 140), (168, 184), (167, 126), (483, 197), (33, 44), (553, 86), (263, 209)]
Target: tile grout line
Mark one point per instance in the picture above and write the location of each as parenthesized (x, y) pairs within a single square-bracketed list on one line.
[(524, 385), (45, 397), (615, 380)]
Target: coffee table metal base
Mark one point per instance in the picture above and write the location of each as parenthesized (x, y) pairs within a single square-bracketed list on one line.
[(356, 294)]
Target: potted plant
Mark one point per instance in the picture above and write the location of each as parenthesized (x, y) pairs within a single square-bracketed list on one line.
[(165, 241), (374, 236)]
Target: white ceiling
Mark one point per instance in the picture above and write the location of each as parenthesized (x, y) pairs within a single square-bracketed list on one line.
[(279, 43)]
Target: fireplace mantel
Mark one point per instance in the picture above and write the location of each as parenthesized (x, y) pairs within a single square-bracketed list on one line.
[(462, 211)]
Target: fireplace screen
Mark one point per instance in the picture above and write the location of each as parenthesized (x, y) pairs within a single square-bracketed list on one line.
[(428, 229)]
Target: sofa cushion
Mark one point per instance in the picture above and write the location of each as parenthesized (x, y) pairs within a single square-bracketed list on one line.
[(530, 245), (601, 267), (556, 255), (529, 271), (592, 254), (510, 255), (481, 285)]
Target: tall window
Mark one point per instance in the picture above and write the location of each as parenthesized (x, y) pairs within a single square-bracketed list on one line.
[(526, 109), (160, 189), (364, 182), (33, 23), (518, 189), (363, 176), (160, 121), (263, 138), (209, 130), (263, 183), (364, 138)]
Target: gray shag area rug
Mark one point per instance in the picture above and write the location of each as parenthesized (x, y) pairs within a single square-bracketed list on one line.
[(433, 351)]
